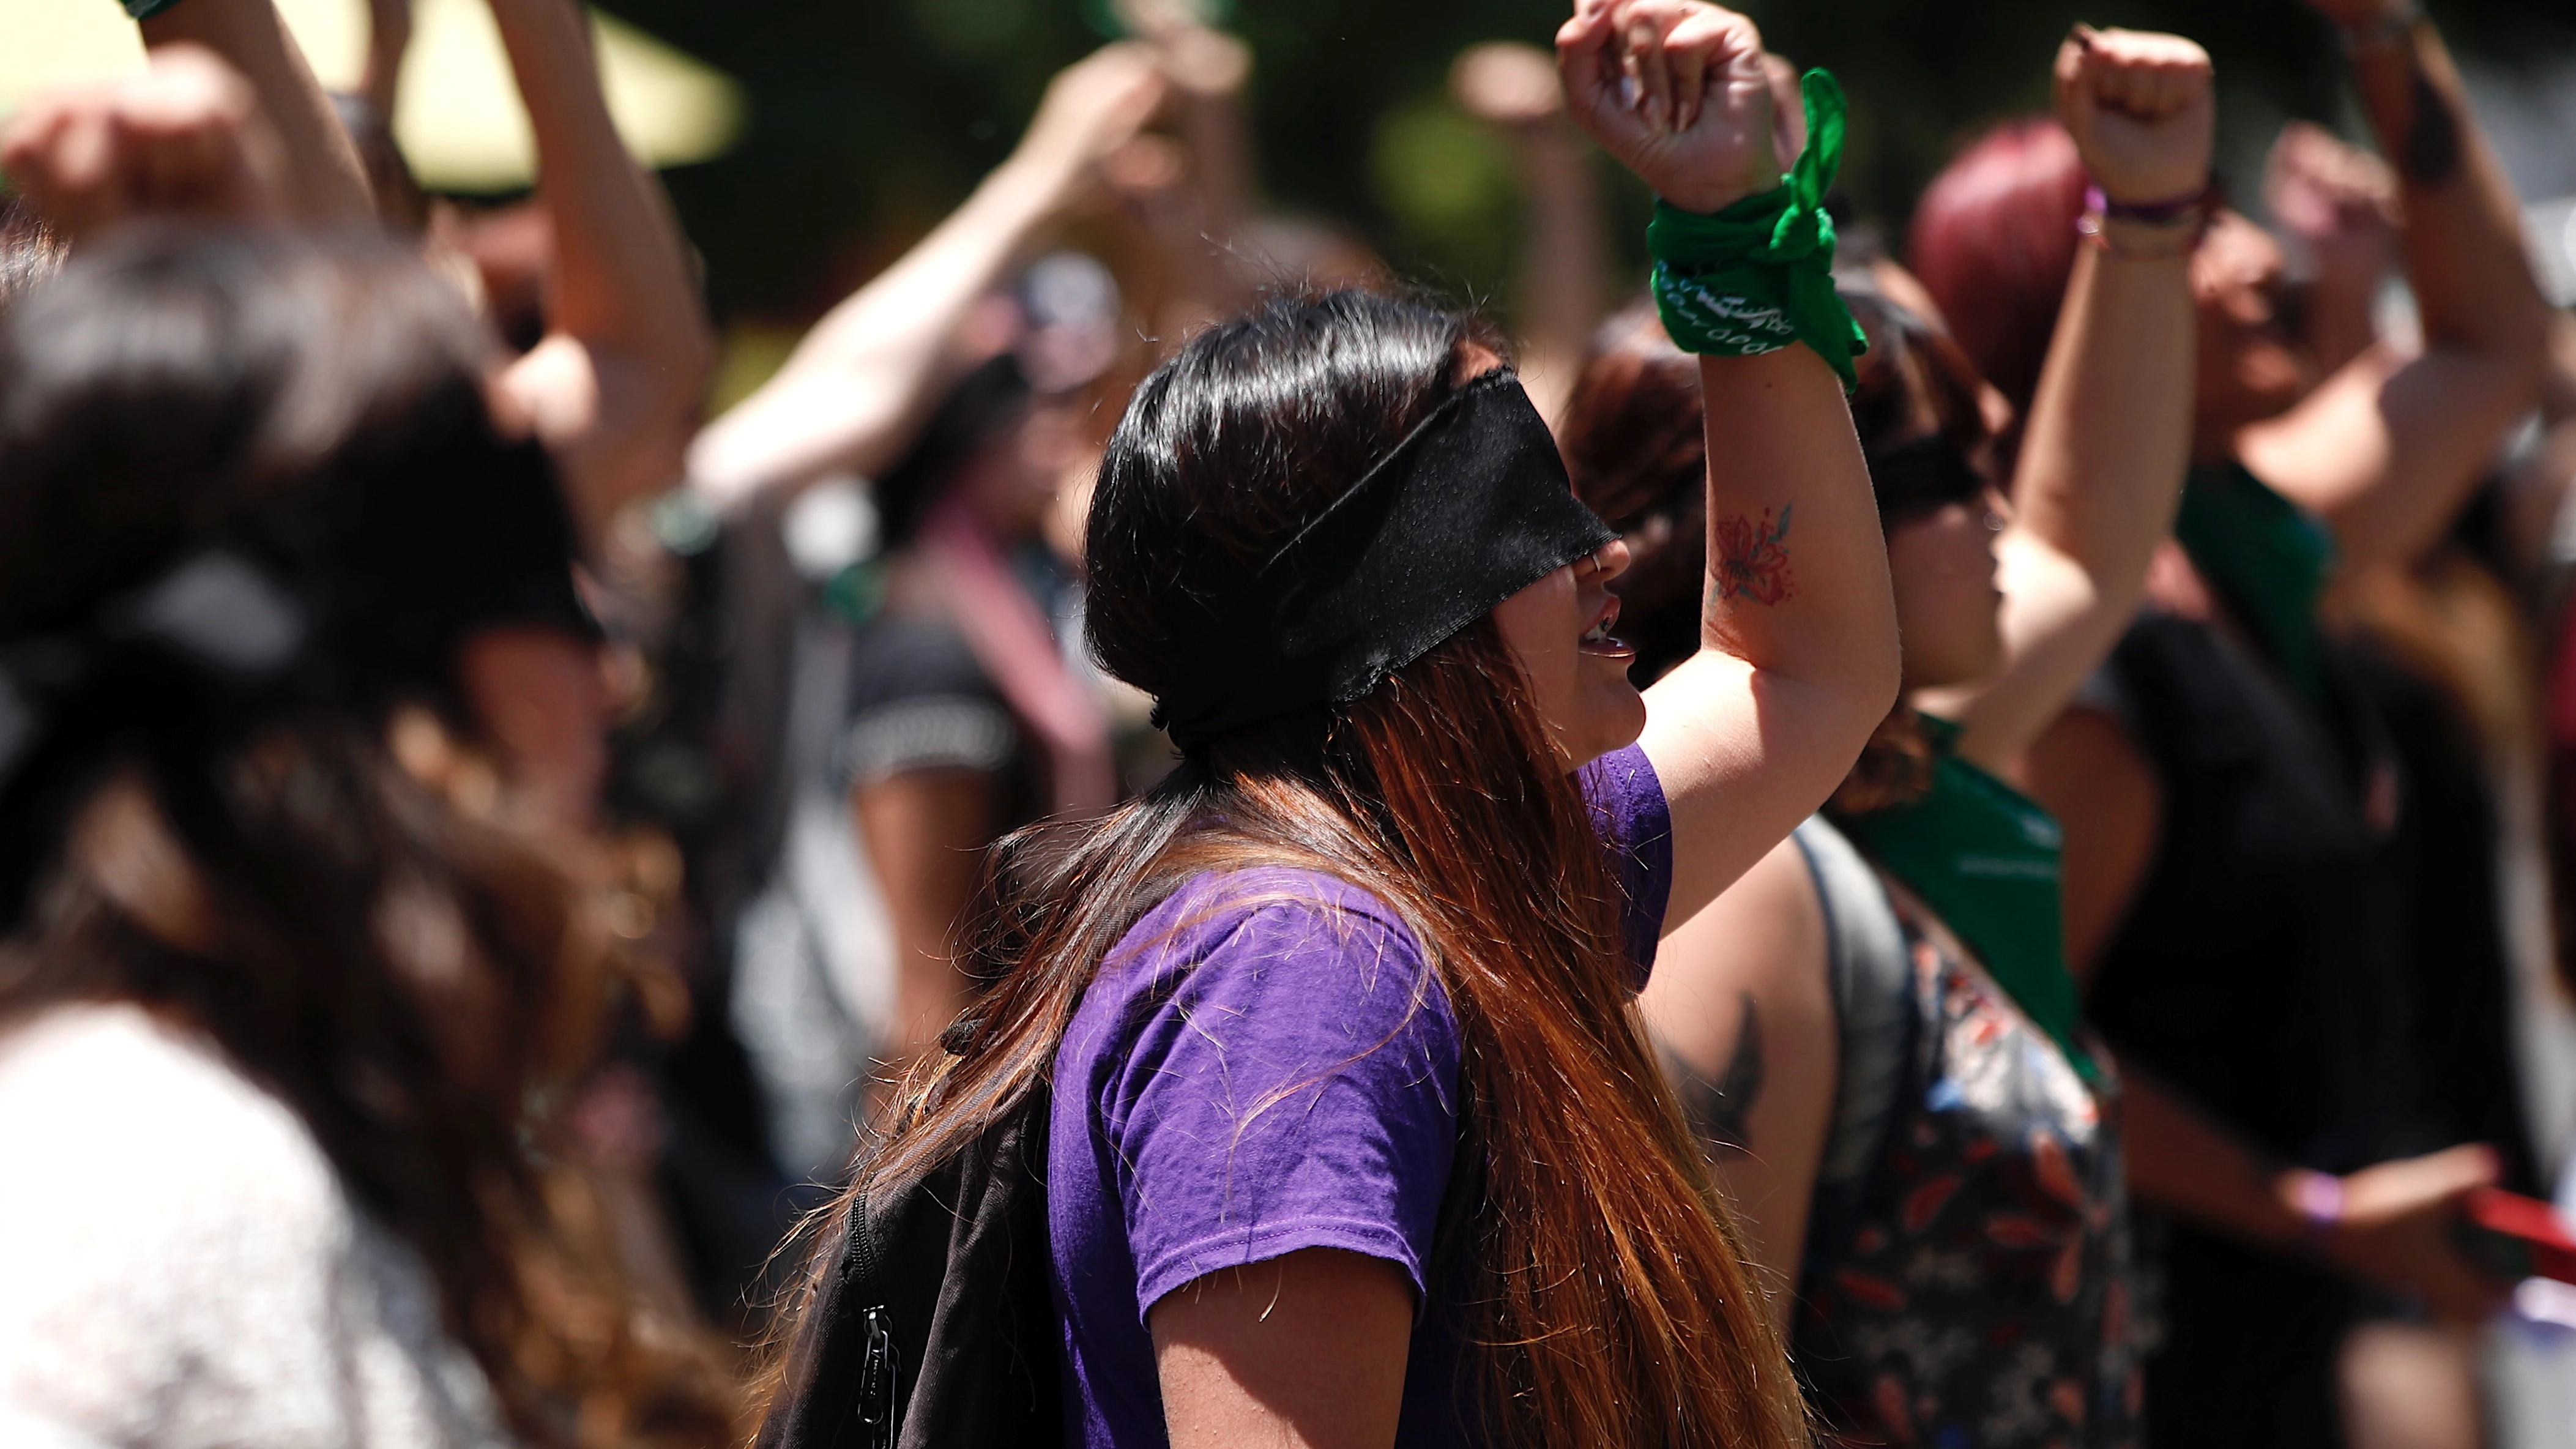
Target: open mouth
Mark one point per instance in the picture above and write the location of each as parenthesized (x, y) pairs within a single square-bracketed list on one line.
[(1599, 640)]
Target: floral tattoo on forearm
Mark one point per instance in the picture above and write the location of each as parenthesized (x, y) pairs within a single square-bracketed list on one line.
[(1752, 560)]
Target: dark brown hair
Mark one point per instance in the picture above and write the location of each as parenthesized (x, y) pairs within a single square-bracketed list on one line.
[(421, 985), (1613, 1303)]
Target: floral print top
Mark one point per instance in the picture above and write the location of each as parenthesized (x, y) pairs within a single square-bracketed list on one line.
[(1979, 1294)]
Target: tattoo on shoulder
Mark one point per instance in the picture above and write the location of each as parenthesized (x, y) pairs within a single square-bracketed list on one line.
[(1720, 1112), (2432, 151), (1752, 559)]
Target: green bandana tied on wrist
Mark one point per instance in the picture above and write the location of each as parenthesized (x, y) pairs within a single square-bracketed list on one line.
[(1988, 859), (1760, 274)]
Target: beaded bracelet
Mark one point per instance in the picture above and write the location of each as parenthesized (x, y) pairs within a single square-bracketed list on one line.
[(2171, 228), (2321, 1207)]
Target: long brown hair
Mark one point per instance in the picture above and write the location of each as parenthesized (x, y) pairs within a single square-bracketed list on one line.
[(421, 984), (1613, 1304)]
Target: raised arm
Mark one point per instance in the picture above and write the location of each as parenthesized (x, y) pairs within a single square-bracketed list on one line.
[(1559, 290), (2388, 448), (1798, 657), (614, 387), (325, 182), (862, 381), (2109, 433)]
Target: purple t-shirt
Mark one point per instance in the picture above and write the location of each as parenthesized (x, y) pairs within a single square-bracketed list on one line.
[(1266, 1063)]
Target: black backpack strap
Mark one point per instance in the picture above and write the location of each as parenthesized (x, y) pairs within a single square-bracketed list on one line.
[(1877, 1024), (935, 1325)]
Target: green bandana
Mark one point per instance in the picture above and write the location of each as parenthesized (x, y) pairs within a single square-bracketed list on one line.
[(1986, 857), (2268, 558), (1760, 275), (146, 9)]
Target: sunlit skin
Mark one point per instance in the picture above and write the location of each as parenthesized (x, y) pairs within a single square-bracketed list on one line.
[(1948, 608), (1559, 630)]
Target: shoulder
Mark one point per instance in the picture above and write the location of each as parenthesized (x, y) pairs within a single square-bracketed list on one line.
[(1268, 934), (94, 1085), (164, 1224), (1763, 939), (1266, 977)]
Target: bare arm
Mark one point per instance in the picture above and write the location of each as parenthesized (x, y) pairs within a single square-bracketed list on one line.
[(325, 183), (1742, 1010), (925, 833), (863, 380), (2387, 449), (2180, 1158), (1798, 659), (2392, 1228), (388, 37), (1559, 291), (1302, 1352), (615, 385), (2109, 432)]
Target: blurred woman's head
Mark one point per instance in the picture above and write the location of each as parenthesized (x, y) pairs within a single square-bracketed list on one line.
[(1994, 240), (1931, 464), (255, 520)]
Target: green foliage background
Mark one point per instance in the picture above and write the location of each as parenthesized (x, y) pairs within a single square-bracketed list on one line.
[(871, 117)]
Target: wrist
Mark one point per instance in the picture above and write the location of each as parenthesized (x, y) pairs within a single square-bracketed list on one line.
[(1713, 200), (2318, 1202), (2168, 209), (1039, 181)]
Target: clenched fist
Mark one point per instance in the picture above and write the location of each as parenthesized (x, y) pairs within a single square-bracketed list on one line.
[(1678, 91), (2142, 110), (184, 138)]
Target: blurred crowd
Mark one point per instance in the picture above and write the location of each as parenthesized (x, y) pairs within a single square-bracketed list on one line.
[(482, 842)]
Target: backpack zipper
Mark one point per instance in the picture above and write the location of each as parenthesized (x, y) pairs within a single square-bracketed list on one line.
[(878, 1359)]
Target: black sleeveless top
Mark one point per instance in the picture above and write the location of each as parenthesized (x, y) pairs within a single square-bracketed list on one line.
[(2264, 971), (2261, 967)]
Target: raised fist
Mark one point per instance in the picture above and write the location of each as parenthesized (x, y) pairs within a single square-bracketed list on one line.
[(1678, 91), (2329, 193), (1505, 83), (183, 138), (2142, 110), (1092, 108)]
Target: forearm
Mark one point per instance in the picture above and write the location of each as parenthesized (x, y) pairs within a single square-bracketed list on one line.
[(1798, 660), (388, 37), (855, 389), (328, 184), (621, 279), (2462, 242), (1559, 294), (2100, 473), (1798, 584), (2185, 1163)]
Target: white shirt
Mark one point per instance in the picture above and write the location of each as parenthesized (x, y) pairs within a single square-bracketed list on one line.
[(180, 1265)]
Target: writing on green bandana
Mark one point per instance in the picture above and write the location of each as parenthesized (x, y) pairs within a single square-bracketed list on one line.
[(2268, 558), (1988, 859), (1760, 275)]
